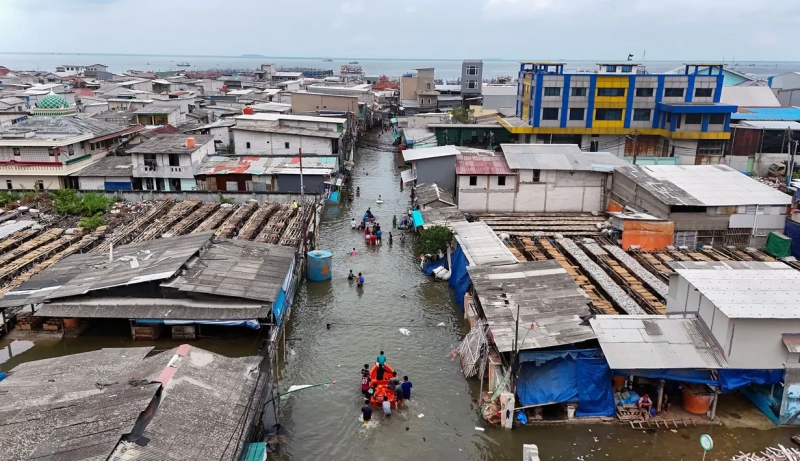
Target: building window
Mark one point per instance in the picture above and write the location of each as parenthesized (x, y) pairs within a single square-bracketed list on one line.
[(644, 92), (703, 92), (537, 174), (611, 92), (91, 146), (473, 180), (673, 92), (578, 91), (286, 145), (550, 113), (472, 70), (70, 150), (576, 113), (552, 91), (429, 85), (472, 84), (15, 151), (174, 160), (501, 180), (716, 119), (53, 151), (9, 184), (608, 114), (612, 69), (641, 115), (705, 147), (627, 69), (247, 144), (693, 119), (39, 184)]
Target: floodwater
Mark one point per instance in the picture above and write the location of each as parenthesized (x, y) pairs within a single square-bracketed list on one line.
[(439, 423)]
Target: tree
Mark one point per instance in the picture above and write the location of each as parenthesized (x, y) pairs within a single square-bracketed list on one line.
[(434, 239), (461, 114)]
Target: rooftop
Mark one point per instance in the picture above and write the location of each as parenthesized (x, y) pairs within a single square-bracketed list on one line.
[(479, 165), (646, 342), (412, 155), (265, 165), (108, 166), (749, 96), (66, 126), (702, 185), (767, 113), (563, 157), (310, 132), (750, 291), (171, 144), (157, 109), (550, 304), (425, 194), (300, 118), (481, 245), (770, 125)]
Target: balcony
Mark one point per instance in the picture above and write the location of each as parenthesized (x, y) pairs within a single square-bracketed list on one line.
[(153, 170)]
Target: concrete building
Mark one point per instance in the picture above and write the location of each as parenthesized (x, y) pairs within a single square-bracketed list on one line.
[(418, 93), (168, 161), (472, 80), (262, 173), (498, 97), (432, 165), (536, 178), (624, 111), (709, 204), (786, 87), (42, 152), (108, 173), (311, 101), (160, 114), (278, 134)]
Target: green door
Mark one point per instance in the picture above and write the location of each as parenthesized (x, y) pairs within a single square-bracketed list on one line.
[(751, 161)]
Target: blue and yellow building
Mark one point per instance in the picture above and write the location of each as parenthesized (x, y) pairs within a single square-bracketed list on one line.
[(621, 108)]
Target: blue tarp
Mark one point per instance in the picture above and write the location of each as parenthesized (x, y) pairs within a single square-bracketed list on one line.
[(730, 380), (416, 216), (595, 395), (792, 230), (279, 306), (229, 323), (334, 197), (556, 378), (428, 267), (687, 376), (459, 277)]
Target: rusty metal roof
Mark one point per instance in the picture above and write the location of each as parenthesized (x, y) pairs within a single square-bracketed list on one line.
[(479, 165)]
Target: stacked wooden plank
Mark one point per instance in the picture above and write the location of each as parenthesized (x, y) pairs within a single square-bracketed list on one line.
[(653, 264), (30, 245), (234, 222), (531, 249), (28, 322), (214, 221), (295, 229), (547, 224), (257, 221), (185, 225), (159, 227), (124, 234), (640, 272), (598, 301), (17, 238), (759, 255), (272, 232), (18, 266)]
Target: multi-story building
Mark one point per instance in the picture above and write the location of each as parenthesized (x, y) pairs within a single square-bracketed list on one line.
[(278, 134), (471, 80), (624, 110), (418, 93), (169, 161)]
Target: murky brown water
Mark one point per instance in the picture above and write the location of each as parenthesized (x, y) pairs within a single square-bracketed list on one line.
[(439, 422)]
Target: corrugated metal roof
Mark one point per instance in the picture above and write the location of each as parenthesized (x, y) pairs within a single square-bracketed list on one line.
[(646, 342), (767, 113), (519, 159), (265, 165), (792, 342), (480, 165), (108, 166), (749, 96), (425, 194), (171, 144), (748, 293), (550, 304), (539, 149), (412, 155), (481, 245), (771, 124), (702, 185)]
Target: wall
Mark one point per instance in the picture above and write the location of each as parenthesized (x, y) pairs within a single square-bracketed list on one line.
[(312, 184), (92, 183), (187, 164), (29, 182), (439, 170), (275, 143), (498, 101), (312, 102), (208, 196), (408, 87), (486, 195), (757, 343), (478, 78)]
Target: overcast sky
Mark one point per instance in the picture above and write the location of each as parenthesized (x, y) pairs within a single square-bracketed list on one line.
[(438, 29)]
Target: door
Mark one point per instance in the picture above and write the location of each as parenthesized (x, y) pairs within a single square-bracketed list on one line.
[(751, 164)]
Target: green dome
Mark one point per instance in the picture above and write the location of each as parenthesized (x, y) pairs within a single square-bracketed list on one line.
[(52, 101)]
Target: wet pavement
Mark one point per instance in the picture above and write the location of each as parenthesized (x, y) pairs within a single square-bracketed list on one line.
[(440, 421)]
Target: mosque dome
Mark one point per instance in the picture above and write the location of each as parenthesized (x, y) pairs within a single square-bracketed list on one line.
[(52, 101)]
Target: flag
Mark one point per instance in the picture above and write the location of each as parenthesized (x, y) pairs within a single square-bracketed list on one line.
[(630, 57)]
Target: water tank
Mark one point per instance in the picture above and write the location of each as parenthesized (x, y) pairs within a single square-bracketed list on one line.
[(319, 265), (190, 142), (247, 111)]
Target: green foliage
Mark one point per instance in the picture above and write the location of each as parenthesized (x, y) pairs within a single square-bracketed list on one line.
[(8, 197), (91, 223), (29, 196), (68, 202), (433, 239), (223, 199), (462, 115), (230, 149)]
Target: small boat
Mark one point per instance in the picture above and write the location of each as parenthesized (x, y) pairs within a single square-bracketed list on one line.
[(183, 64), (379, 201), (353, 62), (327, 60), (382, 390)]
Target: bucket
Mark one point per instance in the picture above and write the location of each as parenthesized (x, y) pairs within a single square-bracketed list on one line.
[(570, 411)]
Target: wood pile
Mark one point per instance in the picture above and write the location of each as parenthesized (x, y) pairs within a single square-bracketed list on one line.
[(160, 226), (185, 225), (546, 224), (16, 239), (271, 233), (661, 288), (257, 221), (18, 266), (235, 220), (598, 300), (214, 221), (124, 234), (770, 454), (28, 322), (30, 245), (52, 325)]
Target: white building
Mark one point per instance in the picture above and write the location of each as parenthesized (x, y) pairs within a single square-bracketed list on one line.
[(41, 152), (278, 134), (160, 114), (169, 161), (108, 173), (543, 178)]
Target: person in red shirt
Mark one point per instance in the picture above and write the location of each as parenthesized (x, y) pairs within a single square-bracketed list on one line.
[(365, 380), (373, 239)]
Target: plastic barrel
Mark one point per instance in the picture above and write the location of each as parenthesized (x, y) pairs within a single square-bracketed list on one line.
[(319, 265)]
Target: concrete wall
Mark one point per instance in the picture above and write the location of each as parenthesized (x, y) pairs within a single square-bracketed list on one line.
[(208, 196), (275, 143), (439, 170), (311, 102), (408, 87), (478, 78), (314, 184), (29, 182), (757, 343), (92, 183)]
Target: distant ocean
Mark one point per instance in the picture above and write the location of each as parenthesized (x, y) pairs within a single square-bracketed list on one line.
[(445, 69)]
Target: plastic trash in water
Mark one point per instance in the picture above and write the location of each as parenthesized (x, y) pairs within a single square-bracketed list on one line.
[(405, 331), (420, 415), (440, 324), (479, 429)]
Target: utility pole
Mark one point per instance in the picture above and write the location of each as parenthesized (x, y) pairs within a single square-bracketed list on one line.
[(302, 189), (790, 169)]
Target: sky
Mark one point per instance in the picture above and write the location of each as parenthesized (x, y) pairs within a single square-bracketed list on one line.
[(747, 30)]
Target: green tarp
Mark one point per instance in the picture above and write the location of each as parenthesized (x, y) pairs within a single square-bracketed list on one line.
[(778, 245)]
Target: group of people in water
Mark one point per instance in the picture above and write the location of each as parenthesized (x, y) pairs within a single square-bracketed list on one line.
[(373, 234), (392, 389)]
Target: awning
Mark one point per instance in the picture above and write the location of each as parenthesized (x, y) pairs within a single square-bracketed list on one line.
[(407, 176), (416, 216)]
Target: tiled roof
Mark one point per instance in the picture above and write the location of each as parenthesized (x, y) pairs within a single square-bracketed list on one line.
[(477, 165)]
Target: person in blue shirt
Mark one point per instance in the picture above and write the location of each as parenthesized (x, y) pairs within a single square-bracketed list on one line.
[(406, 386), (366, 411), (381, 361), (360, 280)]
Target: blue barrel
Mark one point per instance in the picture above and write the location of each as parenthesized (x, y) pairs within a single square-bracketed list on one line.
[(319, 265)]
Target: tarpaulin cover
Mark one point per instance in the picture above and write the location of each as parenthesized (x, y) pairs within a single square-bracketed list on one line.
[(459, 277), (279, 306), (545, 356), (228, 323), (792, 230), (778, 245), (595, 395), (416, 216), (650, 235), (686, 376), (554, 381), (428, 267), (614, 207), (730, 379)]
